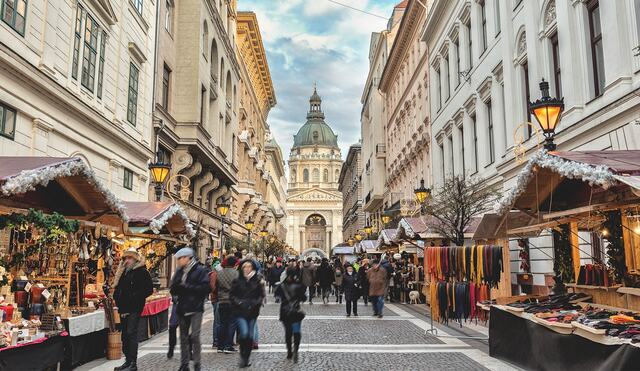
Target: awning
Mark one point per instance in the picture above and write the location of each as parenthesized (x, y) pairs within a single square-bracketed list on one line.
[(386, 238), (367, 246), (342, 250), (419, 228), (159, 217), (54, 184), (553, 181), (494, 226)]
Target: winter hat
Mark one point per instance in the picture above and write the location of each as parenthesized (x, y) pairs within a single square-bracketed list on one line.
[(132, 252), (185, 251)]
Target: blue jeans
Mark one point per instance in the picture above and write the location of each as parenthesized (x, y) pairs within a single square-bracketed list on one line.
[(256, 333), (378, 304), (217, 323), (245, 327)]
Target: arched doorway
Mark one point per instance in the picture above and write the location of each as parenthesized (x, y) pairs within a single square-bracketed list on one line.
[(315, 231), (313, 253)]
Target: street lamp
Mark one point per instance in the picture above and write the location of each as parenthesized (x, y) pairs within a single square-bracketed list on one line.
[(223, 209), (249, 225), (421, 192), (547, 111), (386, 218), (159, 172), (264, 233), (368, 228), (358, 236), (350, 241)]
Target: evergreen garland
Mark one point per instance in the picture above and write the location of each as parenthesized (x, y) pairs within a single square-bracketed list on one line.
[(51, 223), (563, 261), (615, 249)]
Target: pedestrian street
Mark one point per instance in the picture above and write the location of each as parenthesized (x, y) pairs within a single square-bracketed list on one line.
[(331, 341)]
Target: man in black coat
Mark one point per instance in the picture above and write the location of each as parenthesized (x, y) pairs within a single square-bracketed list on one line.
[(133, 285), (190, 284), (274, 276)]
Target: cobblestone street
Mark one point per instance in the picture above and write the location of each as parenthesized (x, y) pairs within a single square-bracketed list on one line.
[(331, 341)]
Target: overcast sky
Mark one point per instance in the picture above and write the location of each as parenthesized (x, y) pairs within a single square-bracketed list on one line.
[(316, 40)]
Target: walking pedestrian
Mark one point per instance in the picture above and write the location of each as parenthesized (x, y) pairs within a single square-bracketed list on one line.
[(377, 277), (325, 279), (364, 281), (247, 295), (351, 288), (292, 293), (173, 327), (213, 297), (224, 282), (274, 276), (133, 285), (190, 284), (309, 278), (337, 283)]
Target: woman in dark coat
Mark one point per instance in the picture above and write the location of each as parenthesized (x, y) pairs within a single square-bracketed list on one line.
[(291, 293), (247, 295), (325, 279), (351, 288)]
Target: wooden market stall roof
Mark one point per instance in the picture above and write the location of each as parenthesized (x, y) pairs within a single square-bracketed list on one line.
[(574, 182), (368, 247), (56, 184), (386, 238), (159, 216), (416, 228)]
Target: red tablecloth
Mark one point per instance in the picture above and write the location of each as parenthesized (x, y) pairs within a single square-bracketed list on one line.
[(156, 306), (41, 340)]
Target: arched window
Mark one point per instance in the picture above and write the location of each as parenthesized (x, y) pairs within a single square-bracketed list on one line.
[(229, 87), (325, 176), (221, 74), (316, 175), (205, 39), (294, 176), (235, 98), (214, 60), (315, 219), (337, 175), (305, 175)]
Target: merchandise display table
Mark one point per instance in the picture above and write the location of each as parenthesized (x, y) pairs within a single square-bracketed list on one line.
[(155, 318), (87, 338), (36, 355), (531, 343)]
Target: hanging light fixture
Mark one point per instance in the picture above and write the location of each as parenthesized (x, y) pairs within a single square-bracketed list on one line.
[(358, 236), (548, 112), (350, 241), (223, 208), (421, 192), (386, 218), (264, 233), (159, 173), (367, 227), (248, 224)]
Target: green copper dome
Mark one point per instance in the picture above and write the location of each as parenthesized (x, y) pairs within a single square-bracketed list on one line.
[(315, 131)]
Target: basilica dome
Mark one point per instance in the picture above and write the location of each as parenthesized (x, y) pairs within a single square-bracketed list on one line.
[(315, 132)]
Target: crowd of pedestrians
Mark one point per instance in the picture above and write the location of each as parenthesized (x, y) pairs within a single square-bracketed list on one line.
[(236, 286)]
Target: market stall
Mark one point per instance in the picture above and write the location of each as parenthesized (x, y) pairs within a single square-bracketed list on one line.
[(53, 258), (595, 325)]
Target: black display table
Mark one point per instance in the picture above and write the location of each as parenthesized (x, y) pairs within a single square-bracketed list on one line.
[(532, 346), (34, 357), (85, 348)]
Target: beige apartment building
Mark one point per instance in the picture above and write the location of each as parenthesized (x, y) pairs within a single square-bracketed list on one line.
[(77, 80), (350, 184), (197, 106), (404, 85), (277, 189)]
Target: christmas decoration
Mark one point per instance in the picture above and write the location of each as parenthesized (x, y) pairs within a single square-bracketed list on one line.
[(27, 181), (594, 175), (615, 249), (51, 223), (157, 224), (562, 262)]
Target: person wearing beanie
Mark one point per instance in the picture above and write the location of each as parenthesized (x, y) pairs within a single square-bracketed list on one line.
[(133, 285), (291, 293), (190, 284), (224, 280)]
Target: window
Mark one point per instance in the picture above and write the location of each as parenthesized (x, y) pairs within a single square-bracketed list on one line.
[(132, 101), (483, 8), (7, 121), (496, 5), (166, 80), (316, 175), (597, 57), (77, 41), (305, 175), (492, 150), (464, 166), (456, 45), (637, 10), (203, 94), (103, 41), (527, 98), (438, 88), (470, 41), (91, 31), (442, 157), (138, 5), (168, 19), (205, 40), (475, 142), (14, 13), (555, 51), (214, 61), (450, 154), (447, 76), (325, 176), (294, 176), (128, 179)]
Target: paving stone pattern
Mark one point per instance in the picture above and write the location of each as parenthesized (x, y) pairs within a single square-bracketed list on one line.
[(319, 309), (324, 361), (316, 331)]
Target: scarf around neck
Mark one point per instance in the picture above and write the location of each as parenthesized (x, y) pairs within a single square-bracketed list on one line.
[(187, 269)]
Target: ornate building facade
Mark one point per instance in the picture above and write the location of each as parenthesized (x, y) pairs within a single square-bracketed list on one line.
[(314, 204), (277, 189), (197, 106), (257, 97), (76, 79), (405, 86), (350, 184)]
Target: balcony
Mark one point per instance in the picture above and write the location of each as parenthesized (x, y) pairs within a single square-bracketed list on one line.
[(381, 151)]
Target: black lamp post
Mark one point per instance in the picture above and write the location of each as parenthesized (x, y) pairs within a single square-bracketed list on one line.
[(159, 172), (249, 225), (547, 111), (421, 192)]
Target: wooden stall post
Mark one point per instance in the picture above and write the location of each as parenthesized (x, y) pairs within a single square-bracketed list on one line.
[(575, 249)]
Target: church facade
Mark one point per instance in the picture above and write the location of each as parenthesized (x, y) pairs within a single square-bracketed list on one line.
[(314, 203)]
